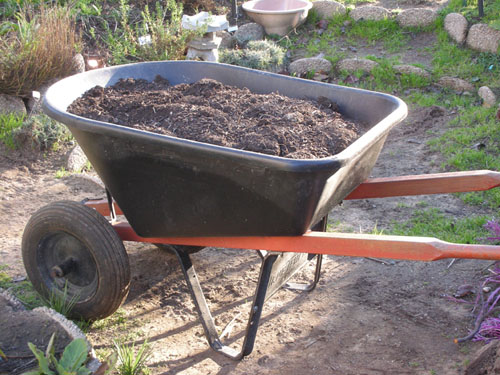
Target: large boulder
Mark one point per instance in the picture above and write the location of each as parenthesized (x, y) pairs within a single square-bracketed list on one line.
[(483, 38), (12, 104), (456, 26), (328, 8), (352, 65), (306, 65), (249, 31), (416, 17), (370, 12)]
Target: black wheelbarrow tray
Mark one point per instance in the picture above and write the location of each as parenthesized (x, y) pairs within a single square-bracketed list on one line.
[(188, 195)]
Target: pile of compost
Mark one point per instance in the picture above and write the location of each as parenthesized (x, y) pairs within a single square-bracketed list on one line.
[(211, 112)]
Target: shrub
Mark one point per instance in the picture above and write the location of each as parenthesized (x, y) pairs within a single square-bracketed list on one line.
[(258, 54), (41, 133), (36, 49), (157, 36)]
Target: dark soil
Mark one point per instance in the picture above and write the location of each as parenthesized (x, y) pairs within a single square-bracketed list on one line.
[(208, 111)]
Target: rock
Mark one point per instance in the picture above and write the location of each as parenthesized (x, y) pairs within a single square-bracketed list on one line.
[(34, 102), (370, 12), (310, 64), (351, 65), (456, 84), (76, 160), (483, 361), (248, 32), (416, 17), (328, 8), (227, 40), (483, 38), (410, 69), (456, 26), (489, 98), (12, 104), (78, 63)]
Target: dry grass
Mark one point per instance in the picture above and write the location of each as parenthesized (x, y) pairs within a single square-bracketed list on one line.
[(36, 50)]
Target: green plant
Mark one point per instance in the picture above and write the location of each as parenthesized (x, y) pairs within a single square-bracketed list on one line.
[(473, 142), (433, 223), (71, 362), (22, 290), (62, 172), (45, 133), (262, 54), (157, 36), (61, 302), (37, 48), (8, 124), (130, 362)]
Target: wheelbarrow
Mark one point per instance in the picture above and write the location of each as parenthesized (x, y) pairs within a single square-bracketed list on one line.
[(187, 195)]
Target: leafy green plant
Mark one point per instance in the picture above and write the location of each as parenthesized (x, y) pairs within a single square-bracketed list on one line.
[(37, 48), (71, 362), (131, 362), (8, 124)]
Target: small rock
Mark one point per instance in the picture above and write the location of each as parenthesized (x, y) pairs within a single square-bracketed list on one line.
[(456, 84), (248, 32), (489, 98), (78, 63), (12, 104), (352, 65), (76, 160), (309, 64), (228, 41), (456, 26), (410, 69), (328, 8), (34, 103), (416, 17), (483, 38), (370, 12)]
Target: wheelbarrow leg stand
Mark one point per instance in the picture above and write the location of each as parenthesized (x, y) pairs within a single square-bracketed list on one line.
[(276, 269)]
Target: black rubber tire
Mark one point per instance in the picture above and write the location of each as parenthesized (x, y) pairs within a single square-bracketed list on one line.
[(99, 276)]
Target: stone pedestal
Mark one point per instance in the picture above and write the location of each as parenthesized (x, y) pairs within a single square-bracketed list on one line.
[(205, 48)]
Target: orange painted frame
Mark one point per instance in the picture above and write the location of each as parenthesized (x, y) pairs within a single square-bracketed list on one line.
[(365, 245)]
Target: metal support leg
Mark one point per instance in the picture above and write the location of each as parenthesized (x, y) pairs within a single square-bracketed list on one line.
[(321, 227), (204, 311)]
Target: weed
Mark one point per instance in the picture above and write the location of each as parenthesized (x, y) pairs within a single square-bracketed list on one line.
[(119, 318), (37, 48), (62, 172), (130, 361), (386, 31), (8, 124), (61, 301)]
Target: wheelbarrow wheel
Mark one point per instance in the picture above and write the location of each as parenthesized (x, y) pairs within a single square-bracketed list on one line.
[(72, 254)]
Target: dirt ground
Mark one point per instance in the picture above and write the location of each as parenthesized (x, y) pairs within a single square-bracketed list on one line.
[(365, 317)]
